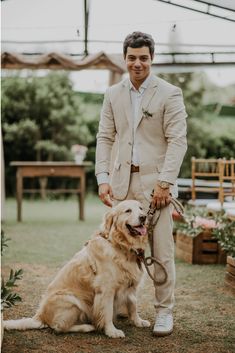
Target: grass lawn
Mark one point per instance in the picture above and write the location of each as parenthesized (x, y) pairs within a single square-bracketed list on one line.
[(49, 236)]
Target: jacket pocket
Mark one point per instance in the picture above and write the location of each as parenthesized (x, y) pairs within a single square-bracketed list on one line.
[(117, 165)]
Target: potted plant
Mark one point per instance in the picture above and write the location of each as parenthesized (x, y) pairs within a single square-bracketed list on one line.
[(195, 242), (8, 296), (225, 234)]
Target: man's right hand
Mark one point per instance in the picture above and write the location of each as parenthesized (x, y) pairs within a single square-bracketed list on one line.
[(106, 194)]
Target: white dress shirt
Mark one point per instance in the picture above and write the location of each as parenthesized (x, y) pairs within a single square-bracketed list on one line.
[(136, 98)]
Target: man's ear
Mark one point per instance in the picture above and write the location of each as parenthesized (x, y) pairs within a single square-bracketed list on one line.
[(107, 223)]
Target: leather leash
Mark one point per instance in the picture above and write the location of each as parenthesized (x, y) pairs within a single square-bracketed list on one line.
[(150, 260)]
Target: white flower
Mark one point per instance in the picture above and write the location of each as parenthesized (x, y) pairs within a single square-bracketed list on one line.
[(80, 149)]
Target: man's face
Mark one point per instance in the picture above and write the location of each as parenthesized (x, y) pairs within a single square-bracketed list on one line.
[(138, 62)]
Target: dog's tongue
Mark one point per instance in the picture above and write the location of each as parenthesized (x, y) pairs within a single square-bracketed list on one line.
[(142, 230)]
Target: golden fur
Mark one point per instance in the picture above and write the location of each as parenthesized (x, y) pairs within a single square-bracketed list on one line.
[(98, 281)]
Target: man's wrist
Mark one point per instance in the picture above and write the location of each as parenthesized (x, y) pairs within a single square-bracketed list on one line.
[(102, 178)]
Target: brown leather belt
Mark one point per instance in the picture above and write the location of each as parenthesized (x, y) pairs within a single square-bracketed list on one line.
[(134, 168)]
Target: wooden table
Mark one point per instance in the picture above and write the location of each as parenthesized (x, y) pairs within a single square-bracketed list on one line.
[(50, 169)]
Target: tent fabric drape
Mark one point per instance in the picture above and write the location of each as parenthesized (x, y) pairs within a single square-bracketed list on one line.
[(56, 61)]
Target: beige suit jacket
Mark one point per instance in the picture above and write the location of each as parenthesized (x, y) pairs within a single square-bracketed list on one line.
[(161, 137)]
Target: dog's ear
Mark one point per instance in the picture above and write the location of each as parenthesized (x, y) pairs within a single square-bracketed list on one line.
[(107, 223)]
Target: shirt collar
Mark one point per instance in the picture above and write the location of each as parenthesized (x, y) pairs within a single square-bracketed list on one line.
[(142, 87)]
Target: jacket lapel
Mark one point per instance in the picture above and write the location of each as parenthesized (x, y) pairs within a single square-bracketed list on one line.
[(148, 95), (126, 101)]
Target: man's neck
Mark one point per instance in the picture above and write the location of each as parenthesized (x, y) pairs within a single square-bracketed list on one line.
[(138, 83)]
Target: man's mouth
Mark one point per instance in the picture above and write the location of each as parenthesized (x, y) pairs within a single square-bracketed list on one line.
[(137, 230)]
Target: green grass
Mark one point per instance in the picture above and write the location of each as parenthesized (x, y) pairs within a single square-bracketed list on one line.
[(50, 235), (50, 232)]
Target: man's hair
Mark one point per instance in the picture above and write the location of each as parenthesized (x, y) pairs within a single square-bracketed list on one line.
[(139, 40)]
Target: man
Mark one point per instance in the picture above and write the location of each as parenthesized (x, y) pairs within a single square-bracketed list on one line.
[(145, 116)]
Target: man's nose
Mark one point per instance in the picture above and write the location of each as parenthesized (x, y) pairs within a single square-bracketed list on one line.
[(137, 63)]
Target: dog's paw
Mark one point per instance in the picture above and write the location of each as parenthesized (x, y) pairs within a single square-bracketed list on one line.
[(142, 323), (114, 333)]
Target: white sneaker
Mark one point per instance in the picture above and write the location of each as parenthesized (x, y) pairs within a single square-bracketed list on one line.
[(163, 324)]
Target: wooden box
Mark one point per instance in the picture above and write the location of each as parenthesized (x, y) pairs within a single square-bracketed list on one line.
[(203, 249), (230, 272)]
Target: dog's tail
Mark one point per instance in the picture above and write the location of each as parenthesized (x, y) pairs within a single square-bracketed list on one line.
[(29, 323)]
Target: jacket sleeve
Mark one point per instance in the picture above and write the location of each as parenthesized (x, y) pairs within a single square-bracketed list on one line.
[(175, 130), (105, 136)]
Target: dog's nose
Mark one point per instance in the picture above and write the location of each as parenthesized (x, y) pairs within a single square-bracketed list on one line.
[(142, 218)]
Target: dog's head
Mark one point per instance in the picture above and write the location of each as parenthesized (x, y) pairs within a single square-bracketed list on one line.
[(124, 225)]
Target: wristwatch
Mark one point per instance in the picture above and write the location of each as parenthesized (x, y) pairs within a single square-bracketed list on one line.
[(163, 184)]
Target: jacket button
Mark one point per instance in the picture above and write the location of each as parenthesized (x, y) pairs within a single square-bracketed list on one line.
[(129, 143)]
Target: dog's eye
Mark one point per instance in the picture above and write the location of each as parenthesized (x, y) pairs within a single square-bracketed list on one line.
[(141, 208), (128, 211)]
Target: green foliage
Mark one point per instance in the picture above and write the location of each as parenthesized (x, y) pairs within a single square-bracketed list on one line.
[(8, 297), (225, 234), (91, 98), (4, 241), (227, 110), (193, 88), (209, 137), (42, 117)]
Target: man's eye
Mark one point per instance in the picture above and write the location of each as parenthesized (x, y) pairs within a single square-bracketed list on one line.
[(128, 211)]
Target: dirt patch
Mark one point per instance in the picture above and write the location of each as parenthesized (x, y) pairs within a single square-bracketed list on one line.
[(204, 318)]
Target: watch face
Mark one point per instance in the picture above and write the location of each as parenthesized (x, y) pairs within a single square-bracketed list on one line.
[(164, 185)]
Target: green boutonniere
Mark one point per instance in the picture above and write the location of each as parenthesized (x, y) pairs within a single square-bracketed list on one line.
[(146, 113)]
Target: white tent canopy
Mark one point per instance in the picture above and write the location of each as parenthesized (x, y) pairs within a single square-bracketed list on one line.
[(31, 27), (228, 4)]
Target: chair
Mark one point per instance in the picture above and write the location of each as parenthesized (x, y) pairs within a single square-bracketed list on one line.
[(205, 176), (227, 179)]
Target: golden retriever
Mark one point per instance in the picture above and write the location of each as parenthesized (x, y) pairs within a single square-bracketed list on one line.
[(90, 290)]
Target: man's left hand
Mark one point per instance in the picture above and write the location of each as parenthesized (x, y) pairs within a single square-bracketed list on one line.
[(161, 197)]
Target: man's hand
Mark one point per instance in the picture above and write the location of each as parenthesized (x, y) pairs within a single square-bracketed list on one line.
[(161, 197), (106, 194)]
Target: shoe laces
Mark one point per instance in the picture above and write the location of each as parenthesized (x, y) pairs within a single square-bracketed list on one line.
[(162, 319)]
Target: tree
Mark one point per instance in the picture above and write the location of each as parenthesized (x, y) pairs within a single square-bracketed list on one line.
[(41, 118), (193, 88)]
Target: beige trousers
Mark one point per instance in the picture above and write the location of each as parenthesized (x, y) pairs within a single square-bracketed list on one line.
[(163, 246)]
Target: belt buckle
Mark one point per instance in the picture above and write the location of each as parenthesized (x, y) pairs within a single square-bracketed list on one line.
[(134, 168)]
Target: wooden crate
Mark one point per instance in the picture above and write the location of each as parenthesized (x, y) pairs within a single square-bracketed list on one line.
[(203, 249), (230, 272)]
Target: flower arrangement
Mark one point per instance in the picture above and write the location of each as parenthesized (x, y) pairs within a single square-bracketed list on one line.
[(220, 226), (79, 153), (225, 234), (193, 224)]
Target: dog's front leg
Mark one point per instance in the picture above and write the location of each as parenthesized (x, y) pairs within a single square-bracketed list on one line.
[(132, 310), (103, 313)]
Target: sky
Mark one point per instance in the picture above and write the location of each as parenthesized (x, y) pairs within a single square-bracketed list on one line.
[(112, 20)]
